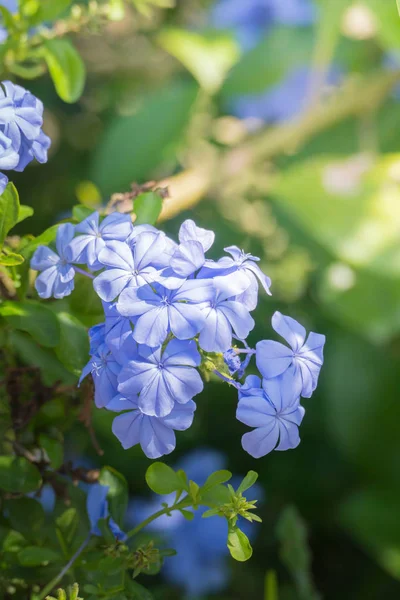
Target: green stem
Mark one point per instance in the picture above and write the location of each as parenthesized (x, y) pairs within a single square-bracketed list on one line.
[(182, 504)]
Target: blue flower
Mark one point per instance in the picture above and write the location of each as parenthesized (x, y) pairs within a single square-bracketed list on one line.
[(189, 256), (9, 159), (155, 435), (161, 311), (222, 314), (126, 267), (96, 337), (303, 359), (118, 332), (57, 277), (105, 370), (273, 409), (232, 360), (97, 508), (162, 378), (86, 248)]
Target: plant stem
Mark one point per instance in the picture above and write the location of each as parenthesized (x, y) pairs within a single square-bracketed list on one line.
[(182, 504), (226, 379), (82, 272), (46, 590)]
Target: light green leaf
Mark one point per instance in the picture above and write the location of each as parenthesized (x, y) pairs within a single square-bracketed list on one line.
[(67, 524), (49, 10), (147, 208), (117, 493), (248, 481), (44, 239), (215, 479), (207, 56), (133, 147), (18, 475), (161, 479), (34, 318), (9, 210), (80, 212), (387, 22), (34, 556), (54, 450), (24, 212), (239, 545), (73, 347), (66, 68), (11, 259)]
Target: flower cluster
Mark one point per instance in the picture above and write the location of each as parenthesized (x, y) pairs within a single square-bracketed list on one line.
[(21, 135), (168, 311)]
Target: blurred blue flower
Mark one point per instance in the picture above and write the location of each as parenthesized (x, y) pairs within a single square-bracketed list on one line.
[(273, 409), (9, 159), (155, 434), (57, 277), (161, 311), (303, 359), (162, 377), (97, 508), (250, 19), (86, 248)]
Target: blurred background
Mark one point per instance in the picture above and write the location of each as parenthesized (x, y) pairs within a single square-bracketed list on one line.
[(277, 124)]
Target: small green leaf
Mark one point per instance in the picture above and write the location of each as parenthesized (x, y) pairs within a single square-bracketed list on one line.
[(24, 212), (18, 475), (117, 493), (189, 515), (73, 347), (248, 481), (66, 68), (215, 479), (216, 496), (54, 450), (67, 524), (161, 479), (34, 556), (239, 545), (34, 318), (211, 512), (9, 211), (11, 259), (13, 542), (44, 239), (80, 212), (147, 208)]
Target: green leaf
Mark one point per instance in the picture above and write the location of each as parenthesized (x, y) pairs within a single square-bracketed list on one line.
[(267, 63), (208, 56), (248, 481), (27, 516), (387, 22), (7, 18), (13, 542), (80, 212), (161, 479), (271, 586), (147, 208), (138, 591), (117, 493), (66, 68), (9, 210), (238, 544), (216, 496), (44, 239), (11, 259), (33, 556), (133, 147), (67, 524), (34, 318), (189, 515), (215, 479), (54, 450), (73, 347), (33, 354), (24, 212), (18, 475), (49, 10), (106, 531)]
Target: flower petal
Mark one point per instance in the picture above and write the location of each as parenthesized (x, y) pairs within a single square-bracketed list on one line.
[(289, 329), (261, 441)]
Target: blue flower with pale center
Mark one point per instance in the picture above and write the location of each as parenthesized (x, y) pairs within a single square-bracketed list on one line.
[(303, 359), (162, 377), (161, 311), (57, 277), (105, 370), (273, 408), (85, 249), (97, 508), (155, 435), (127, 267)]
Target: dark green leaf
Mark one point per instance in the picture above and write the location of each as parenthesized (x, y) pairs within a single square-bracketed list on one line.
[(248, 481), (239, 545), (215, 479), (18, 475), (34, 318), (105, 530), (33, 556), (139, 592), (134, 146), (161, 479), (117, 493), (147, 208), (26, 516), (67, 524), (13, 542), (9, 210), (66, 68), (73, 348), (11, 259), (54, 450), (80, 212)]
